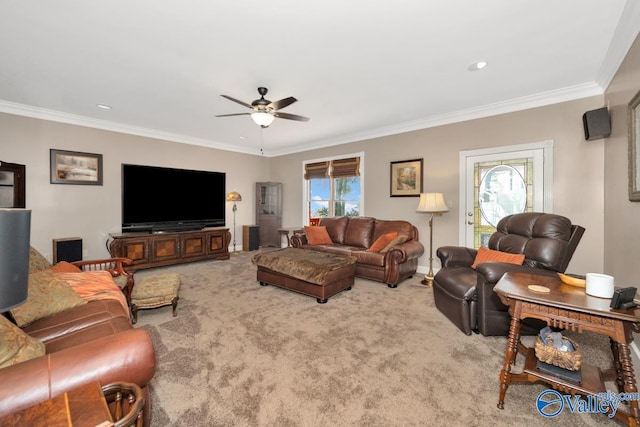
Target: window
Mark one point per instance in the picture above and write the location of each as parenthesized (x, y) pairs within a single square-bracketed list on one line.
[(333, 188)]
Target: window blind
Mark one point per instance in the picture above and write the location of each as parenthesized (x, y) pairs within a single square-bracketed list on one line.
[(316, 170), (342, 168)]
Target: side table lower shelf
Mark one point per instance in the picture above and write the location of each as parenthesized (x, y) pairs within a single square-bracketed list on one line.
[(592, 378)]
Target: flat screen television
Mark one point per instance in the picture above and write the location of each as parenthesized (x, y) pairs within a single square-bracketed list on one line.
[(160, 199)]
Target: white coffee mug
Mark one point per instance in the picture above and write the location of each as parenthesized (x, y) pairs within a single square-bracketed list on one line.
[(599, 285)]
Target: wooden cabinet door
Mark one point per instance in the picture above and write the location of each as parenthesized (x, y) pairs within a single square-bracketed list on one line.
[(165, 248), (193, 245)]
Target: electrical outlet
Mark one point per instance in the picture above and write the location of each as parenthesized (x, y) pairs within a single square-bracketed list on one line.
[(85, 253)]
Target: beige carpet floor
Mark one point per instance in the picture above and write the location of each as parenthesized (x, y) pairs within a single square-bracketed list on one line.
[(240, 354)]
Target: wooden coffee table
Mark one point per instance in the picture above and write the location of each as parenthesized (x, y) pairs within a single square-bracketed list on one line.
[(568, 307)]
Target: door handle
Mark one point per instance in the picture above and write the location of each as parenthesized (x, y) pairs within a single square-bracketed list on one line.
[(470, 222)]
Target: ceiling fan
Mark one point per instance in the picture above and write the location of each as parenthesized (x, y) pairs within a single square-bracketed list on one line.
[(265, 111)]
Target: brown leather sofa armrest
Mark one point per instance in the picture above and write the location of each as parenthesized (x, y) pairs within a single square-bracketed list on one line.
[(456, 256), (298, 240), (406, 251), (125, 356), (493, 271)]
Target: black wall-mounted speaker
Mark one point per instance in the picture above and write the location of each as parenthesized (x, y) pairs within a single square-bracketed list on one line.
[(69, 249), (597, 124)]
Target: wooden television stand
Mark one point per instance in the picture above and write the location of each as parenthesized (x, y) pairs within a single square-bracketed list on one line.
[(149, 250)]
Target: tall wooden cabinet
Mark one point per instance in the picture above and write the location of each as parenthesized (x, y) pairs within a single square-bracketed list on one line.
[(269, 212)]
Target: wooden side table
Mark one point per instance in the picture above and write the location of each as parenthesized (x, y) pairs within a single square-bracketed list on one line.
[(89, 405), (286, 231), (82, 406), (570, 308)]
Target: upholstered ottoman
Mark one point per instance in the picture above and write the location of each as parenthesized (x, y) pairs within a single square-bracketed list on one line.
[(312, 273), (155, 291)]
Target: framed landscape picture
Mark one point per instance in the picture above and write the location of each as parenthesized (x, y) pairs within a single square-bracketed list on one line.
[(73, 167), (406, 178)]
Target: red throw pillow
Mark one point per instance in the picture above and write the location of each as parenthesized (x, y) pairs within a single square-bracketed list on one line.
[(485, 255), (317, 235), (382, 241)]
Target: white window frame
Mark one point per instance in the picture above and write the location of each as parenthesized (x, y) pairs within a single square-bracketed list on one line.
[(305, 182)]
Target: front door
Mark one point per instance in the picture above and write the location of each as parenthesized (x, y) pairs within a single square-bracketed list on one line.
[(502, 181)]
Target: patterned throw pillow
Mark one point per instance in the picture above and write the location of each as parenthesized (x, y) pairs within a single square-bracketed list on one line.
[(485, 255), (47, 296), (16, 346), (395, 242), (65, 267), (37, 262), (382, 242), (317, 235)]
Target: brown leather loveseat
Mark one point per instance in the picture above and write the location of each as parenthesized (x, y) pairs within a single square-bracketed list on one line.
[(465, 295), (91, 342), (355, 235)]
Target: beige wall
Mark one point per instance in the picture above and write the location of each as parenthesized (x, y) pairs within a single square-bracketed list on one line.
[(621, 217), (578, 171), (92, 212)]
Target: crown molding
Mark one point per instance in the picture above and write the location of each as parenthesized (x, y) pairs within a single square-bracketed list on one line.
[(74, 119), (623, 37), (518, 104)]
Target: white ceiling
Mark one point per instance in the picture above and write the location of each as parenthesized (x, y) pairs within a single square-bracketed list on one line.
[(358, 68)]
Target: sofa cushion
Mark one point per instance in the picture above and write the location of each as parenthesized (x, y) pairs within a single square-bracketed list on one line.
[(317, 235), (47, 296), (382, 242), (75, 319), (336, 227), (400, 239), (382, 227), (486, 255), (359, 232), (16, 346)]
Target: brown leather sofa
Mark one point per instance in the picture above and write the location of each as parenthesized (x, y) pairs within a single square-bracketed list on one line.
[(90, 342), (465, 295), (354, 235)]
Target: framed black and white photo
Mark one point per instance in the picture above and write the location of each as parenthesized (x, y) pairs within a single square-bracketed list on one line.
[(74, 167)]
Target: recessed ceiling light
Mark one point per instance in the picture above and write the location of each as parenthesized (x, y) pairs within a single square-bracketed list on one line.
[(477, 66), (243, 137), (104, 106)]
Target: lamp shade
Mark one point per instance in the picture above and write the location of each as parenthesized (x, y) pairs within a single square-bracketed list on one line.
[(15, 235), (234, 196), (432, 203), (262, 119)]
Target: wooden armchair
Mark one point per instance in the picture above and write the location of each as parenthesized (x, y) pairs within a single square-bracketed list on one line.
[(115, 266)]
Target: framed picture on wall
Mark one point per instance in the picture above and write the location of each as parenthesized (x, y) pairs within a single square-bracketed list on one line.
[(406, 178), (73, 167), (634, 149)]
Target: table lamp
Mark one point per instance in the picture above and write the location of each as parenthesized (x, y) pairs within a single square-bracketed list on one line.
[(234, 197), (15, 234), (431, 203)]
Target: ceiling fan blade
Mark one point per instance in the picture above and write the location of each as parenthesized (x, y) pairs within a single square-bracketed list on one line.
[(291, 117), (234, 114), (238, 101), (278, 105)]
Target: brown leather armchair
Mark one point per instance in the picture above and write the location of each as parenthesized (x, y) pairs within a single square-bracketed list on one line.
[(465, 295)]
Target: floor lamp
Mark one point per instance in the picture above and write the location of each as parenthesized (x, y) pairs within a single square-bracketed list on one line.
[(433, 204), (234, 197)]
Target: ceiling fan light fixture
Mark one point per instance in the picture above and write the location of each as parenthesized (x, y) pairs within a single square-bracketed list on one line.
[(262, 119)]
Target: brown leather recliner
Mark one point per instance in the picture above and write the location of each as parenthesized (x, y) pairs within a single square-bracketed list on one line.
[(466, 295)]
